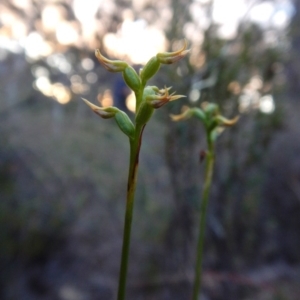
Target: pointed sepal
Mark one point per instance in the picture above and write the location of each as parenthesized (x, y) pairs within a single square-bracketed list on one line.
[(110, 65), (172, 57)]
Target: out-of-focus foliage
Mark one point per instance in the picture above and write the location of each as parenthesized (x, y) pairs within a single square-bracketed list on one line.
[(60, 213)]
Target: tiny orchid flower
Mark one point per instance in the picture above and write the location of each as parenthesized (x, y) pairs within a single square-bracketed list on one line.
[(110, 65), (103, 112), (162, 97), (172, 57)]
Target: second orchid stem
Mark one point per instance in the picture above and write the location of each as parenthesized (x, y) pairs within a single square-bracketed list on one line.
[(210, 160), (214, 123)]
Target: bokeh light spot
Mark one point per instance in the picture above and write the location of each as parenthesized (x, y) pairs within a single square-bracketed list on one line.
[(194, 95), (106, 99), (61, 93), (43, 85), (66, 33), (91, 77), (130, 102), (87, 64), (266, 104)]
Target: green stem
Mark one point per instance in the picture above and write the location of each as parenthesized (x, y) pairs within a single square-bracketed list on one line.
[(135, 146), (205, 196)]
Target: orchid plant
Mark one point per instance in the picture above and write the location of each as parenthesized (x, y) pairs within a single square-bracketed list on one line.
[(148, 98), (214, 124)]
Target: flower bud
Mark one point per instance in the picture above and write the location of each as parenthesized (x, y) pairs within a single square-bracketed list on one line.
[(131, 78), (145, 110), (222, 121), (111, 65), (189, 112), (214, 134), (125, 124), (103, 112), (121, 117), (210, 108), (199, 113), (186, 114), (149, 69), (172, 57)]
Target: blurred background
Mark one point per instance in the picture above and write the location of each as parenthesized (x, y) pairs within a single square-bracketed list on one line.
[(63, 170)]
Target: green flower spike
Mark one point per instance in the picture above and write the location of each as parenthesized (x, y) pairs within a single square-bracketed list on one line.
[(214, 123), (148, 98)]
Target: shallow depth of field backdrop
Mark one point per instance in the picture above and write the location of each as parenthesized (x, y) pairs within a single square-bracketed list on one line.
[(63, 169)]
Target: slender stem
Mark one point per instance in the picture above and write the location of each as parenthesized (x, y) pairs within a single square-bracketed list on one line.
[(205, 196), (135, 146)]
